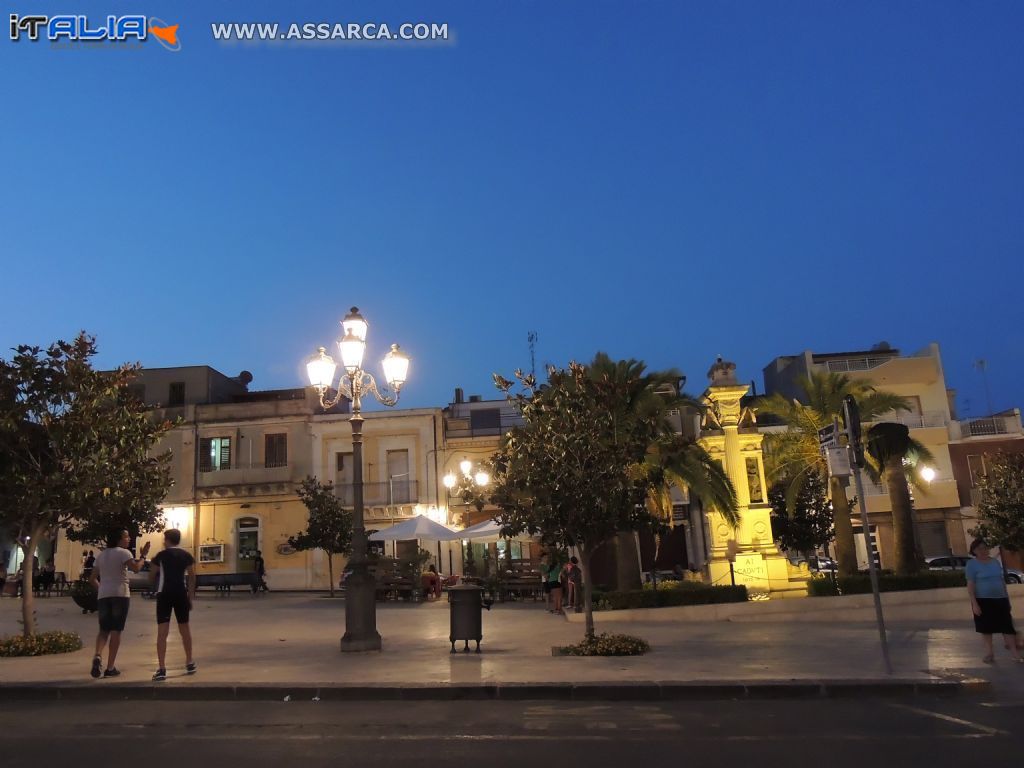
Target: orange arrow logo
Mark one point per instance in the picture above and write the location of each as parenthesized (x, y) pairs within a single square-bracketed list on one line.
[(167, 34)]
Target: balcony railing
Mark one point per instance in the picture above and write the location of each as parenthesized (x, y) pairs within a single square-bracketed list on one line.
[(913, 420), (378, 494), (992, 425), (857, 364)]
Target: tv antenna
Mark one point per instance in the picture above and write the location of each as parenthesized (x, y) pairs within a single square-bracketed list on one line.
[(531, 338), (982, 365)]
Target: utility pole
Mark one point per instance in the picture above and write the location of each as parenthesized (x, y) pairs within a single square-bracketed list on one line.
[(855, 448)]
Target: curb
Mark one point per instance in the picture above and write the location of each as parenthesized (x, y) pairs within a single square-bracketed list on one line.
[(639, 691)]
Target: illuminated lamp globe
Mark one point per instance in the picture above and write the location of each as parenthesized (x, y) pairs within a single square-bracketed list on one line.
[(320, 370), (355, 324), (396, 367), (352, 350)]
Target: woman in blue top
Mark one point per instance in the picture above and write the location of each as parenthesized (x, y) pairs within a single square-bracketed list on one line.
[(990, 601)]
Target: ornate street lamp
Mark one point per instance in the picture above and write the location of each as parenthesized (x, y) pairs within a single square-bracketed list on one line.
[(360, 590)]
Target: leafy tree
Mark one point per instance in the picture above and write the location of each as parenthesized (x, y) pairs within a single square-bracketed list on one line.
[(574, 471), (808, 526), (329, 527), (1001, 506), (893, 456), (78, 452), (635, 396), (793, 456)]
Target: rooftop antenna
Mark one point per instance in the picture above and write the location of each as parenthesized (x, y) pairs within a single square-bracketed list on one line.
[(531, 338), (982, 366)]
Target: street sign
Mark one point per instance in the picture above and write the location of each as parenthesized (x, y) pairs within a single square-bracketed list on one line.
[(828, 437), (838, 461)]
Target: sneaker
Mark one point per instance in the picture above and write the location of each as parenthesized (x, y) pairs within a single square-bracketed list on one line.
[(161, 674), (112, 672), (190, 668), (96, 662)]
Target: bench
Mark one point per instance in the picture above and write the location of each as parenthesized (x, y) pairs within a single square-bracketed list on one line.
[(223, 582)]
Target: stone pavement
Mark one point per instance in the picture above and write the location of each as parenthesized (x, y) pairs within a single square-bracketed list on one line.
[(293, 640)]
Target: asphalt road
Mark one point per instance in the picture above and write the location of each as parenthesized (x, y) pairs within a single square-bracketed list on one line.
[(853, 732)]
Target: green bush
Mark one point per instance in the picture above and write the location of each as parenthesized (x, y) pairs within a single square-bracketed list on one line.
[(699, 594), (608, 645), (40, 644), (861, 583)]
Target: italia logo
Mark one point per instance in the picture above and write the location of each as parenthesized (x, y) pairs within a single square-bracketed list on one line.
[(80, 28)]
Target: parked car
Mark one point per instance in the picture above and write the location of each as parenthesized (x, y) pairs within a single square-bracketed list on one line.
[(142, 581), (822, 564), (959, 563), (946, 563)]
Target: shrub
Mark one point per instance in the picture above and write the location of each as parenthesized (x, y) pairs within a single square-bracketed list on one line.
[(861, 583), (648, 598), (40, 644), (608, 645)]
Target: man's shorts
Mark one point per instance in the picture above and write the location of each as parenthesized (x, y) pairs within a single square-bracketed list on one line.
[(168, 603), (113, 613)]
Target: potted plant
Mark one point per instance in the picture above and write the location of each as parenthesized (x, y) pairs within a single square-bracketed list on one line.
[(84, 595)]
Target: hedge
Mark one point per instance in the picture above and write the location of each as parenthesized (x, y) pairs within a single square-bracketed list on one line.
[(861, 583), (640, 598)]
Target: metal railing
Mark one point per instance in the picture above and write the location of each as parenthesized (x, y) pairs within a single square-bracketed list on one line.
[(377, 494), (912, 420), (857, 364), (991, 425)]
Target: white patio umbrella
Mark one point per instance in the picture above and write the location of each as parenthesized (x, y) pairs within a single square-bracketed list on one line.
[(419, 527)]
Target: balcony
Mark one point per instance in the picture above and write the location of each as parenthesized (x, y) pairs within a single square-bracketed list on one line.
[(857, 364), (990, 426), (380, 494), (913, 420)]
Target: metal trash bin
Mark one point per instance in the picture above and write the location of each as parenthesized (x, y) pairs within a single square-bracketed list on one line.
[(466, 606)]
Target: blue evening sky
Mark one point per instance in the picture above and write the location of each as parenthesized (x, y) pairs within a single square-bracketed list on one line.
[(661, 180)]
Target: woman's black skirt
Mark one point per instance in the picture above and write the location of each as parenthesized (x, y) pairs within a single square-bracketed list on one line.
[(995, 617)]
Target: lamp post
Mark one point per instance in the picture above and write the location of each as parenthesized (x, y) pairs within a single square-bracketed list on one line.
[(360, 591), (469, 487)]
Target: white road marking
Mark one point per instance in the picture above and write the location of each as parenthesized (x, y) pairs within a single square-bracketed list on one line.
[(985, 729)]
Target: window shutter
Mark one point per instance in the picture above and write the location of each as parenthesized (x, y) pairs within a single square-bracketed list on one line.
[(225, 453), (275, 450), (205, 463)]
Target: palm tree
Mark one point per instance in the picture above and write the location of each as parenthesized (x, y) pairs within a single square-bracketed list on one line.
[(791, 456), (670, 459), (894, 454)]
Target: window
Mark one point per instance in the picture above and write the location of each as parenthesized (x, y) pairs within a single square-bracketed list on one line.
[(344, 477), (399, 484), (214, 454), (486, 420), (976, 465), (275, 450), (176, 395)]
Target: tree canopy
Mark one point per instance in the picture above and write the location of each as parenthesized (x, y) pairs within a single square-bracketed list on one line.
[(808, 526), (329, 527), (1001, 506), (78, 450)]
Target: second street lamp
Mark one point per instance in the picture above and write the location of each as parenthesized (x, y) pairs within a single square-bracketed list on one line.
[(360, 590)]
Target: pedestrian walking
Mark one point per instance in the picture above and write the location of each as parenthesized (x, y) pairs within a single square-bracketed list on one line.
[(990, 601), (90, 563), (174, 570), (261, 573), (551, 574), (109, 576), (574, 580)]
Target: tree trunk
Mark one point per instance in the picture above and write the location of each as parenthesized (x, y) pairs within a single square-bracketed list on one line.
[(627, 562), (846, 549), (330, 571), (28, 600), (902, 518), (588, 591)]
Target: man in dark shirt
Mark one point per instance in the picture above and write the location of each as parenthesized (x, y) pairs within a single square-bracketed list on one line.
[(174, 571)]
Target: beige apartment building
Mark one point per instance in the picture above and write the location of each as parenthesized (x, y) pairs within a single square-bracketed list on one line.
[(238, 457), (918, 377)]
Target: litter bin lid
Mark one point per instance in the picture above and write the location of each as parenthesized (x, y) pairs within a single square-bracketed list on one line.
[(465, 588)]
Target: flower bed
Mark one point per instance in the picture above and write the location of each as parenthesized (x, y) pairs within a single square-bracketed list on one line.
[(607, 645), (40, 644)]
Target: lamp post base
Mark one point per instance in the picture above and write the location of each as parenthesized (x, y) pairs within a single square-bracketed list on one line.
[(360, 613)]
